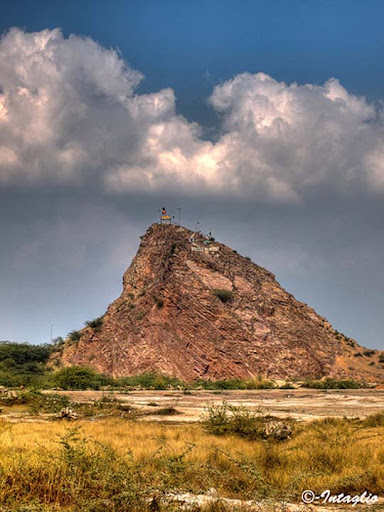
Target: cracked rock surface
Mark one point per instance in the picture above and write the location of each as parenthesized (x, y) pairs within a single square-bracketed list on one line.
[(194, 308)]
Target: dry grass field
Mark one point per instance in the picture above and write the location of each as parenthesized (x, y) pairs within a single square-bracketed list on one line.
[(119, 464)]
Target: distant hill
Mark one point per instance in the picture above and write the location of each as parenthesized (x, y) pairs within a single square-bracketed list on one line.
[(194, 308)]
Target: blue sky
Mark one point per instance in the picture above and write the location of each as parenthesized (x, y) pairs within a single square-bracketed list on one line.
[(191, 46), (291, 176)]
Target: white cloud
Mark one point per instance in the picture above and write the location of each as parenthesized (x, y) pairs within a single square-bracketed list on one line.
[(69, 114)]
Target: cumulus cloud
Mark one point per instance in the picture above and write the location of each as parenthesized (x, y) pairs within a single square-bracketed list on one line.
[(69, 114), (292, 138), (62, 107)]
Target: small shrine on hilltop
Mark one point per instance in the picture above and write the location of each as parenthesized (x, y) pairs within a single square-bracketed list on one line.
[(165, 218)]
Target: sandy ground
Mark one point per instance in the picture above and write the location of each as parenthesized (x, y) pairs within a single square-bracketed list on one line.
[(301, 404)]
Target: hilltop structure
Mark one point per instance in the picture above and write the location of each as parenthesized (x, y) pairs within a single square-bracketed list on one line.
[(194, 308)]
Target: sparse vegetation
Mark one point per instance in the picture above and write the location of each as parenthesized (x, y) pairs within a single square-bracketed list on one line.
[(140, 314), (369, 353), (96, 324), (26, 365), (329, 383), (117, 465), (169, 410), (228, 419), (150, 380), (375, 420), (349, 341), (287, 385), (240, 421), (74, 336), (222, 294), (35, 401), (159, 302), (257, 383)]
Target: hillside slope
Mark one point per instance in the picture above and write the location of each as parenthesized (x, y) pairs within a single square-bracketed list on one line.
[(197, 309)]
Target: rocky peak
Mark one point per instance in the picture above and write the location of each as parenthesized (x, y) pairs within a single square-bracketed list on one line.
[(193, 308)]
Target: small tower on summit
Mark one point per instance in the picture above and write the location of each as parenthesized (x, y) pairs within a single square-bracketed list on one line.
[(165, 218)]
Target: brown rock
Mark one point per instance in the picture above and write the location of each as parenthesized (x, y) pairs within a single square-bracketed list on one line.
[(170, 319), (67, 413), (278, 430)]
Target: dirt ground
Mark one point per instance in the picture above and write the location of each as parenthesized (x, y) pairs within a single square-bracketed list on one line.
[(302, 404)]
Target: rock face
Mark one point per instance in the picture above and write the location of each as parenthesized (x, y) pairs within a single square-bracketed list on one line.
[(197, 309)]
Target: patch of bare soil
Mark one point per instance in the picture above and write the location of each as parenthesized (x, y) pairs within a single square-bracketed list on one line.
[(301, 404)]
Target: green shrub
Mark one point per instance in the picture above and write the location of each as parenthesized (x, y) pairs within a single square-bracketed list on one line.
[(381, 358), (329, 383), (159, 302), (169, 410), (216, 419), (374, 420), (245, 423), (150, 380), (57, 343), (227, 384), (219, 384), (37, 402), (96, 324), (79, 377), (15, 380), (106, 406), (229, 419), (74, 336), (18, 355), (287, 385), (223, 295), (22, 364), (89, 476), (259, 383), (369, 353)]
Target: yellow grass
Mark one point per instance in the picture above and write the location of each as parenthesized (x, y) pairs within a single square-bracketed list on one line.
[(43, 464)]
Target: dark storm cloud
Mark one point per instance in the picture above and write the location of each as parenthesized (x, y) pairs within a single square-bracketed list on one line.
[(294, 179)]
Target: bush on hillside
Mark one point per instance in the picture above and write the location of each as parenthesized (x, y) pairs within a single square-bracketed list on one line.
[(223, 295), (74, 336), (96, 324)]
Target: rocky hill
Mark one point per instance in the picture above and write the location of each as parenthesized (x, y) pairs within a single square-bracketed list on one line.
[(194, 308)]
